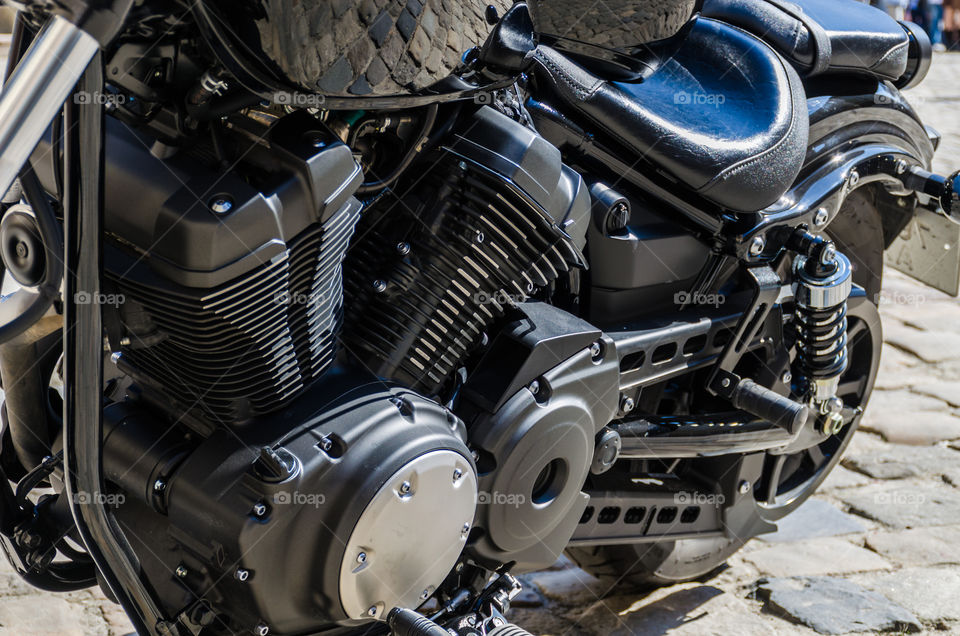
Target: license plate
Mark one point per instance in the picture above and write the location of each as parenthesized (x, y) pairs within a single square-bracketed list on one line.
[(928, 249)]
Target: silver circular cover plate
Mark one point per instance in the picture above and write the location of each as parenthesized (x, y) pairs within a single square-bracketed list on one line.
[(411, 537)]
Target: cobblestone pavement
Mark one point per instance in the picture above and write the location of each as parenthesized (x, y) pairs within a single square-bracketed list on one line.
[(876, 550)]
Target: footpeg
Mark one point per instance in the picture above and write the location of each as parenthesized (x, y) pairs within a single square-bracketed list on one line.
[(406, 622), (770, 405)]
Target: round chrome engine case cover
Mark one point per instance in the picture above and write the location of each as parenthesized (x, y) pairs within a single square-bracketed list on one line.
[(410, 535)]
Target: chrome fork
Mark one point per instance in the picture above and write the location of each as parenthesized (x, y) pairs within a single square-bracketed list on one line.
[(33, 94)]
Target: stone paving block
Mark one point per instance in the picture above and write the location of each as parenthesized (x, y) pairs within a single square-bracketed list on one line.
[(901, 461), (572, 586), (834, 606), (815, 557), (841, 477), (682, 610), (907, 425), (50, 615), (929, 346), (815, 518), (914, 506), (931, 594), (918, 546), (949, 392)]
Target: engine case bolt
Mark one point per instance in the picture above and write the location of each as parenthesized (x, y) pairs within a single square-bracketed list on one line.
[(262, 629), (744, 487), (853, 179), (259, 509), (182, 572), (465, 530), (405, 488), (159, 485), (362, 558), (457, 475), (424, 595), (786, 377), (372, 611), (379, 286), (626, 404), (821, 217), (725, 383), (403, 248), (901, 166), (242, 574), (325, 444), (756, 245), (534, 387), (221, 205), (595, 350)]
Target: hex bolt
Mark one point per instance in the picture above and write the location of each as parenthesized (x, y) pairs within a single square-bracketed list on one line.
[(325, 444), (901, 166), (262, 629), (182, 572), (534, 387), (829, 254), (405, 488), (379, 286), (259, 509), (744, 487), (457, 475), (786, 377), (403, 248), (159, 486), (465, 530), (626, 404), (242, 574), (372, 611), (362, 558), (756, 245), (821, 217), (725, 383), (424, 595)]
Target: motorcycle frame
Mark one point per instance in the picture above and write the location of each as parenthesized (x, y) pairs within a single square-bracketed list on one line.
[(40, 84)]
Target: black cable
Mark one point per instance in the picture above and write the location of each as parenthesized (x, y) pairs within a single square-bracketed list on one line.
[(429, 120)]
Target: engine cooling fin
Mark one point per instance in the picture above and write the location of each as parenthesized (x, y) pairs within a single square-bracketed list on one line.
[(439, 264), (248, 346)]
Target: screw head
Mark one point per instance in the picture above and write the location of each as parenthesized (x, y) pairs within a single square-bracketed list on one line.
[(595, 350), (465, 530), (405, 488), (241, 574), (221, 205), (534, 387), (786, 377), (756, 245), (744, 487), (725, 383), (403, 248), (372, 611), (325, 444), (259, 509), (821, 217), (457, 475), (159, 485), (262, 629), (362, 558), (901, 166), (424, 595), (627, 404), (829, 254), (853, 179), (182, 572), (379, 286)]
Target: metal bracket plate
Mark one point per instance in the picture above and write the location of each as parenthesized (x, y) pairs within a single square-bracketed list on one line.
[(928, 249)]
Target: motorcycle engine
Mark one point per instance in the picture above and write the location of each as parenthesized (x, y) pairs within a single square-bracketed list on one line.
[(276, 481)]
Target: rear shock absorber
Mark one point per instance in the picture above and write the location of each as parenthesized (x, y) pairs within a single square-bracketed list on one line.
[(823, 280)]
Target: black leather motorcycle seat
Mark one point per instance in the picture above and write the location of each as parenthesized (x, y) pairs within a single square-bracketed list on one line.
[(823, 36), (725, 115)]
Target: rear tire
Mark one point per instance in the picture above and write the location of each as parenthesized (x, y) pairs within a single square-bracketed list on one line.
[(858, 233)]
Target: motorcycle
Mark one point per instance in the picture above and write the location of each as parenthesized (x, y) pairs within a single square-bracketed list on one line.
[(332, 317)]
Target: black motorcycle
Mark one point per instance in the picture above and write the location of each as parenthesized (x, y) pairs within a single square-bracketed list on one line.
[(332, 316)]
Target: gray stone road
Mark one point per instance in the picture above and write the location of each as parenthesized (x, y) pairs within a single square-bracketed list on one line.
[(876, 550)]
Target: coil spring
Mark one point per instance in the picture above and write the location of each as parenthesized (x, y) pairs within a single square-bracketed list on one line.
[(822, 340)]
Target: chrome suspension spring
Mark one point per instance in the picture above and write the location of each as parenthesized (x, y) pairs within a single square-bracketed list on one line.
[(823, 284)]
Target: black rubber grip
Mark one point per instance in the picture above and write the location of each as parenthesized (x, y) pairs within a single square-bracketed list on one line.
[(769, 405), (405, 622)]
